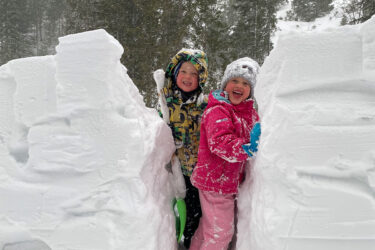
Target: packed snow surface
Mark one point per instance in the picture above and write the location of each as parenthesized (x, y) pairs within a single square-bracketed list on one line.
[(82, 159), (312, 185)]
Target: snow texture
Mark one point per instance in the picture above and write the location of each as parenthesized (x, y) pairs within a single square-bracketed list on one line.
[(313, 181), (81, 157)]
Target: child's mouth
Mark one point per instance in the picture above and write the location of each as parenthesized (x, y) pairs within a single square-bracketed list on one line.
[(237, 94)]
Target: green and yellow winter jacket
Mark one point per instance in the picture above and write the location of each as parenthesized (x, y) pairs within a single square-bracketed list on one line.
[(186, 109)]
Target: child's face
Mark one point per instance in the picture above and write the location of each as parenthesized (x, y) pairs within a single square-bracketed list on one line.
[(238, 90), (187, 78)]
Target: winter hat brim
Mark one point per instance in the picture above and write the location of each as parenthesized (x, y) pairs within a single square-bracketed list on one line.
[(244, 67)]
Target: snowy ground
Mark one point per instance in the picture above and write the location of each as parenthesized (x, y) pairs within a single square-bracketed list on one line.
[(330, 21), (82, 159)]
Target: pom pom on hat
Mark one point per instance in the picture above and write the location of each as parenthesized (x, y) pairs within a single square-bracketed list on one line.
[(244, 67)]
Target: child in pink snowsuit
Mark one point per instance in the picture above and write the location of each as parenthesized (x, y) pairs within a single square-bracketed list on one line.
[(223, 152)]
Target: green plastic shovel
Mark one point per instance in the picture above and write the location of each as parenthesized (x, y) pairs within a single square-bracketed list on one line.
[(179, 209)]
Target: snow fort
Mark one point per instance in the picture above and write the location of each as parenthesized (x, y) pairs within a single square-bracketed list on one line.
[(313, 182), (82, 159)]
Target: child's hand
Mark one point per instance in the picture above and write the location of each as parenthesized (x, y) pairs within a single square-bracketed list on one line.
[(254, 137), (159, 77), (252, 147)]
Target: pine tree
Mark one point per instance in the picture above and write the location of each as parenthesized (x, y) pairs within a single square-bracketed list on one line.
[(254, 22), (15, 26), (209, 32), (358, 11), (309, 10), (368, 9), (54, 24)]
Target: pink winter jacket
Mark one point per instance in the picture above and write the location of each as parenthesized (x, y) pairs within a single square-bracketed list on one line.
[(224, 129)]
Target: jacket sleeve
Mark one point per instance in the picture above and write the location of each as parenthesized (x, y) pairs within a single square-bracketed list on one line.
[(221, 138)]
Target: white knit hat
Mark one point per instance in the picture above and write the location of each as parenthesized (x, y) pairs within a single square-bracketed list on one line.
[(244, 67)]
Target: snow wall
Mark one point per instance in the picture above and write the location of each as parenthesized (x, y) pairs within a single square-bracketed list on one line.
[(81, 160), (313, 182)]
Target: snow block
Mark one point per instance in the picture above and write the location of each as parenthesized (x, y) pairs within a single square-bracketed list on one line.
[(82, 85), (368, 33), (29, 245), (313, 181), (81, 156)]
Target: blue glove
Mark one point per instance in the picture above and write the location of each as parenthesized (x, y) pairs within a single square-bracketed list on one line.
[(252, 147)]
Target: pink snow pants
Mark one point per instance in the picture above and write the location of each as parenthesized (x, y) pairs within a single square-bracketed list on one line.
[(216, 226)]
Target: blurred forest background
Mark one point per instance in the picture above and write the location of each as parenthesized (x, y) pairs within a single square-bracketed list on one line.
[(152, 31)]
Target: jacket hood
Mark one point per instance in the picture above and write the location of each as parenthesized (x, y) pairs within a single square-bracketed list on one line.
[(197, 57)]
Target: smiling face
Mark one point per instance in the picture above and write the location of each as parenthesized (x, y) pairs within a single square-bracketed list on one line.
[(238, 90), (187, 78)]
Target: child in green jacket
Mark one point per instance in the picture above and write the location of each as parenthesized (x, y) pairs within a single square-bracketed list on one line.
[(186, 75)]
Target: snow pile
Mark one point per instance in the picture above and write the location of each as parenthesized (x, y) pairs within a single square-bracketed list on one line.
[(81, 157), (331, 20), (313, 183)]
